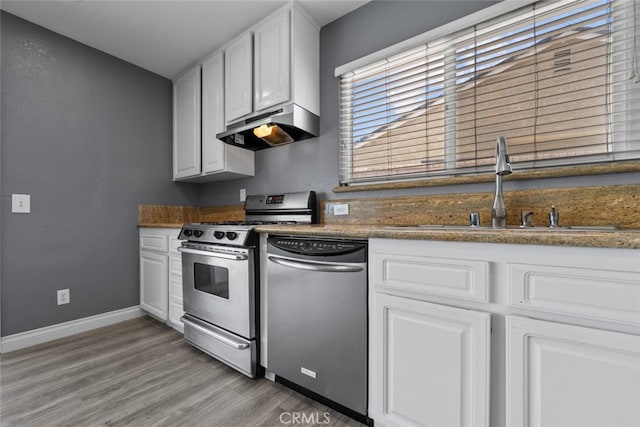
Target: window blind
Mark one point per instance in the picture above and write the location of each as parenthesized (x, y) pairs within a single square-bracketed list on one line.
[(558, 79)]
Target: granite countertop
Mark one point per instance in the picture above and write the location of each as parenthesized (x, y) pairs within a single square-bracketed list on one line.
[(376, 217), (159, 225), (623, 238)]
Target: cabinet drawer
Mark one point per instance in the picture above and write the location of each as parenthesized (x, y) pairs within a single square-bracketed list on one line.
[(448, 277), (154, 242), (597, 294)]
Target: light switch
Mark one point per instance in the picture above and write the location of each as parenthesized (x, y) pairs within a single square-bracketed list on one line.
[(21, 203)]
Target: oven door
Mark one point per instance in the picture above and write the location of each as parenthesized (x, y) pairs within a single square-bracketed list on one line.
[(219, 288)]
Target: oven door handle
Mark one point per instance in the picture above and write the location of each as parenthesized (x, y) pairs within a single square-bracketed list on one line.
[(316, 266), (215, 254), (215, 335)]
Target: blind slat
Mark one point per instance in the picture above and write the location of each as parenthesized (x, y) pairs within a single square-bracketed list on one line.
[(552, 78)]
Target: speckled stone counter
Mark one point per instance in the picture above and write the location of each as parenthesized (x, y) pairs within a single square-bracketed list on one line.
[(384, 217), (628, 239), (163, 216)]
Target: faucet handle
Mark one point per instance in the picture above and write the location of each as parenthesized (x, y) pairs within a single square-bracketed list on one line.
[(474, 219), (554, 217), (526, 219)]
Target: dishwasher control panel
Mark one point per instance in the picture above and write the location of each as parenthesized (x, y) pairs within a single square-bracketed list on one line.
[(314, 246)]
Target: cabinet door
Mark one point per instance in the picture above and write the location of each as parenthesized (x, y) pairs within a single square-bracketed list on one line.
[(569, 376), (213, 150), (154, 284), (186, 125), (429, 364), (238, 78), (272, 61)]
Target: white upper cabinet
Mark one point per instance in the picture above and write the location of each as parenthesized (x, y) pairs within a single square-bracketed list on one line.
[(198, 156), (220, 161), (213, 109), (238, 77), (275, 63), (272, 61), (186, 125)]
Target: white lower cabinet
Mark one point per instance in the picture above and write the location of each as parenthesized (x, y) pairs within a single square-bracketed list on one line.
[(430, 364), (562, 375), (565, 335), (161, 275), (154, 284)]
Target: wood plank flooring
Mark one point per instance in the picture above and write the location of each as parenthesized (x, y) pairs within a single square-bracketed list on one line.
[(142, 373)]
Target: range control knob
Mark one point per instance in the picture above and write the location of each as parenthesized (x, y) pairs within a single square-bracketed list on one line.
[(232, 235), (197, 233), (218, 234), (188, 232)]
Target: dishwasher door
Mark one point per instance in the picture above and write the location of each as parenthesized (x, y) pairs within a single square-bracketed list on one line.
[(317, 322)]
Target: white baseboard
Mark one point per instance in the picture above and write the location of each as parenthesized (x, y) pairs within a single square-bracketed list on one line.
[(61, 330)]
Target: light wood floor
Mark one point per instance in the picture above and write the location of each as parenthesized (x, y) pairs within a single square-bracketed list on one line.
[(142, 373)]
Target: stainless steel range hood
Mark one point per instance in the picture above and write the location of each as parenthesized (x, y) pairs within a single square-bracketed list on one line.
[(285, 125)]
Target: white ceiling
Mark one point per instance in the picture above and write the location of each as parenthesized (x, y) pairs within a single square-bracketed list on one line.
[(163, 36)]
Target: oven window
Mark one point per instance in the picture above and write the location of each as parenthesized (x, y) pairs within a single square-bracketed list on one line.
[(212, 279)]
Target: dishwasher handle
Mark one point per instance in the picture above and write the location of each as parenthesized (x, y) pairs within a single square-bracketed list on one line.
[(316, 266)]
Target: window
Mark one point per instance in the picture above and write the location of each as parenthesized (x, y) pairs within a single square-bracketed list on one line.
[(558, 79)]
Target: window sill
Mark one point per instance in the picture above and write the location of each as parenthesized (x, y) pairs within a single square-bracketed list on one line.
[(581, 170)]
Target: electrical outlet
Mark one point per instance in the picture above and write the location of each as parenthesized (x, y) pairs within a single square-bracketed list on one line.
[(243, 194), (63, 296), (341, 209), (20, 203)]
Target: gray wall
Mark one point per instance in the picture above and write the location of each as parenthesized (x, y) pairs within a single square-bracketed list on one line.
[(313, 164), (89, 137)]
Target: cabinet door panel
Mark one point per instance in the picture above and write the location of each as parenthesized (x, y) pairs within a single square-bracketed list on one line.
[(154, 284), (565, 376), (272, 61), (213, 150), (238, 78), (430, 364), (186, 116)]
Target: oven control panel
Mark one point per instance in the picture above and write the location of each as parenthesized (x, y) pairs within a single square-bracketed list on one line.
[(274, 200)]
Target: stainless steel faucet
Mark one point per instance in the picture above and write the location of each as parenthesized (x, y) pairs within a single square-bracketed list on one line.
[(503, 167)]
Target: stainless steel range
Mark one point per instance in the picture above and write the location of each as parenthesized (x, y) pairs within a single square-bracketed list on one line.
[(220, 278)]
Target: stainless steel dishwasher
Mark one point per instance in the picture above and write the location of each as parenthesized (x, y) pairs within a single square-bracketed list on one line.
[(317, 319)]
